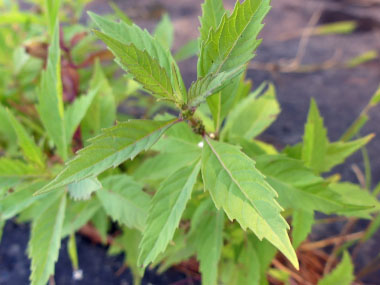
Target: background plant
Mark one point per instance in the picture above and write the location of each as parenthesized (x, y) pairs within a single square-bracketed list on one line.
[(197, 183)]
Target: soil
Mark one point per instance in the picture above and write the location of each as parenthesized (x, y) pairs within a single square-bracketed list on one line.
[(340, 93)]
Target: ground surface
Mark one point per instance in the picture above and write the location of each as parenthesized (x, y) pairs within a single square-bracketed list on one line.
[(340, 93)]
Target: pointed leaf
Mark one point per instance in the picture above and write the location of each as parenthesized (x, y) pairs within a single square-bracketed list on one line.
[(166, 209), (142, 40), (241, 190), (252, 116), (75, 113), (212, 13), (343, 274), (31, 151), (50, 104), (145, 69), (233, 42), (164, 32), (315, 140), (211, 84), (46, 235), (13, 171), (337, 152), (124, 200), (114, 146), (103, 107)]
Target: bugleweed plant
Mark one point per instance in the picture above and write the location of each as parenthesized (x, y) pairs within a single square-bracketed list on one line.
[(196, 184)]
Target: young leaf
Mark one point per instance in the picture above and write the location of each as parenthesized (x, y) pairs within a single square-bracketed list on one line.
[(142, 40), (315, 140), (352, 194), (52, 7), (252, 116), (103, 107), (233, 42), (222, 102), (299, 188), (50, 102), (337, 152), (164, 32), (302, 224), (165, 212), (83, 189), (142, 66), (212, 13), (76, 112), (46, 234), (207, 236), (114, 146), (26, 143), (13, 171), (343, 274), (211, 84), (124, 200), (241, 190)]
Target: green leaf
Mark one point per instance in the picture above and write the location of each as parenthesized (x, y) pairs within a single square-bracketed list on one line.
[(114, 146), (164, 32), (52, 7), (7, 131), (124, 200), (221, 103), (211, 84), (83, 189), (343, 274), (337, 152), (103, 107), (352, 194), (252, 116), (207, 235), (178, 141), (212, 13), (166, 209), (233, 42), (142, 40), (315, 141), (14, 171), (78, 214), (187, 51), (145, 69), (247, 268), (46, 235), (120, 13), (50, 102), (298, 188), (241, 190), (31, 151), (75, 113), (302, 224), (20, 199)]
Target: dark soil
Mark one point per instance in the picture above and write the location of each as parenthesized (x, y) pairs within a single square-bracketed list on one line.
[(340, 93)]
